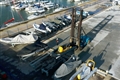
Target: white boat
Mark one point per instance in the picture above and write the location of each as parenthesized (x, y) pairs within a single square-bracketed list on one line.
[(35, 15), (28, 1), (20, 39), (6, 2), (85, 13), (20, 6), (70, 0), (11, 24), (49, 5), (33, 10), (42, 28), (58, 9), (73, 0), (3, 3), (76, 0)]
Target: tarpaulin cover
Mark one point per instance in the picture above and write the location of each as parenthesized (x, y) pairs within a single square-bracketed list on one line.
[(20, 39), (67, 67)]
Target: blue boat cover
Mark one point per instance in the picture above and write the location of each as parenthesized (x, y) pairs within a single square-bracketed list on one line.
[(43, 27)]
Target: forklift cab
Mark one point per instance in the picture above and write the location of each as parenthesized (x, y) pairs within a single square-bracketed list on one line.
[(84, 40)]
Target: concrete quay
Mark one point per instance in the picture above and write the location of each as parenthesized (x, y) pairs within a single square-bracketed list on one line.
[(103, 29)]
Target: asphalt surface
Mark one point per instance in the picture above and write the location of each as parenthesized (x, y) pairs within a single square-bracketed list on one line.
[(103, 29)]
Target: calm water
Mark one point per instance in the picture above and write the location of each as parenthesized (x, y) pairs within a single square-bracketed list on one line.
[(6, 11)]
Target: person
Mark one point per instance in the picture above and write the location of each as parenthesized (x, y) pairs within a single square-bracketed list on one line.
[(57, 41)]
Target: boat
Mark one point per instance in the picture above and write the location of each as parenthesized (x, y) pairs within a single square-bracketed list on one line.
[(5, 2), (50, 25), (48, 5), (28, 1), (34, 15), (57, 22), (20, 39), (73, 0), (65, 18), (67, 67), (20, 6), (76, 0), (36, 9), (42, 28), (11, 24), (85, 13), (58, 9), (34, 6)]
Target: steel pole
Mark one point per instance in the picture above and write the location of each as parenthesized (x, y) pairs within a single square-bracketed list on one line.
[(79, 29), (72, 26)]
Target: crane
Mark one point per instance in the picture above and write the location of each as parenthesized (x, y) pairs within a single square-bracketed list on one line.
[(81, 40)]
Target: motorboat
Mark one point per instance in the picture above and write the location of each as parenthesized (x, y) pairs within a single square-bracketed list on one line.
[(65, 18), (11, 24), (20, 39), (85, 13), (35, 15), (68, 17), (28, 1), (67, 67), (42, 28), (20, 6), (73, 0), (33, 10), (48, 5), (5, 2), (50, 25), (62, 20), (57, 22), (76, 0), (58, 9)]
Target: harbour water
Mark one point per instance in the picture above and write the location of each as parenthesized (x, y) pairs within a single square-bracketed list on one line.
[(6, 12)]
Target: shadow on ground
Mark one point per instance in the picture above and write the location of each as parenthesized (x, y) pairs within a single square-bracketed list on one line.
[(92, 34)]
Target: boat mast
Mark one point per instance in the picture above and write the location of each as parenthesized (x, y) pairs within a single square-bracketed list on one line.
[(12, 15), (19, 13), (11, 10)]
